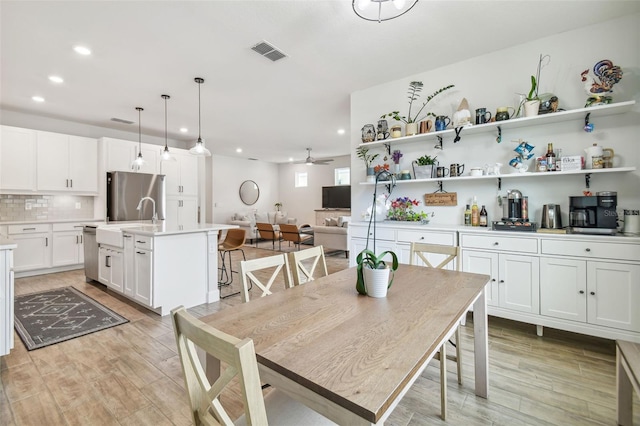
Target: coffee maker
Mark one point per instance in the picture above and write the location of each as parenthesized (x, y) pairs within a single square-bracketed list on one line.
[(594, 214)]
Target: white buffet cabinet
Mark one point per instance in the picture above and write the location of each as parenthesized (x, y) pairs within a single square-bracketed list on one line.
[(580, 283), (160, 266)]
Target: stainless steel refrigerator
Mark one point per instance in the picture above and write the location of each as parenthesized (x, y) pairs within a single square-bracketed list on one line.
[(126, 189)]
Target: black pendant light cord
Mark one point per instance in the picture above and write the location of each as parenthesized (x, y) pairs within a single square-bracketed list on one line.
[(199, 81), (139, 131), (165, 97)]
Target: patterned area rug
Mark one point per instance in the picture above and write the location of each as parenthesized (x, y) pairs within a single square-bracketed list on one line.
[(53, 316)]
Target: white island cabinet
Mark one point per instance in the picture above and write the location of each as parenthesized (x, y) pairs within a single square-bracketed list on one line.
[(6, 295), (163, 265)]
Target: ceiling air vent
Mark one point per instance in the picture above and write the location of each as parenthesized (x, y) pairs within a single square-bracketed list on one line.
[(268, 51), (121, 120)]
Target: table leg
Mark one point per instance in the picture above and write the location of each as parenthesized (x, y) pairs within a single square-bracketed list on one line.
[(481, 345), (625, 396)]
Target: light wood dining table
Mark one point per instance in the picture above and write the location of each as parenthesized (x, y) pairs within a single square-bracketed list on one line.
[(353, 357)]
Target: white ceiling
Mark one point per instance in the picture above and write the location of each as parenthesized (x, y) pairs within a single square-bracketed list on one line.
[(272, 110)]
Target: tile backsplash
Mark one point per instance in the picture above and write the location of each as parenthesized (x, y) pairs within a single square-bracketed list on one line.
[(44, 207)]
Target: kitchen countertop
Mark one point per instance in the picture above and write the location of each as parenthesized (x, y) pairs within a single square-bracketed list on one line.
[(28, 222), (7, 243), (164, 227)]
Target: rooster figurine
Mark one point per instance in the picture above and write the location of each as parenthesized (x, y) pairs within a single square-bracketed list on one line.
[(600, 84)]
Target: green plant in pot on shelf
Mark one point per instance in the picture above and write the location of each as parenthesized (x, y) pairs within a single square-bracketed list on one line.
[(531, 102), (411, 121), (423, 166), (368, 158), (278, 206), (369, 265)]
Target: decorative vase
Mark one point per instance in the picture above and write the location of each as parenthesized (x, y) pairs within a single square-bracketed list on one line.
[(396, 131), (396, 169), (531, 108), (411, 129), (368, 133), (376, 281), (371, 175), (423, 172)]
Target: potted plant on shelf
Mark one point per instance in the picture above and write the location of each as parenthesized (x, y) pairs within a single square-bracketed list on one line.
[(423, 167), (375, 275), (278, 205), (411, 121), (364, 155), (531, 102)]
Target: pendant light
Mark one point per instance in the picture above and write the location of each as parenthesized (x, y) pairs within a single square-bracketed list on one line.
[(139, 161), (199, 149), (165, 155)]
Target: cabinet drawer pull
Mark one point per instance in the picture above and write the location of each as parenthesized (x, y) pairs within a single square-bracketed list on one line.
[(581, 292), (141, 242), (496, 243), (502, 281), (493, 280), (107, 261), (422, 238), (127, 236), (593, 293), (141, 252), (587, 249), (76, 239), (71, 180), (81, 239), (46, 241), (28, 229)]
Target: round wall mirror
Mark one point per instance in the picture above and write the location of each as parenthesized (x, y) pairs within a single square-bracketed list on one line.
[(249, 192)]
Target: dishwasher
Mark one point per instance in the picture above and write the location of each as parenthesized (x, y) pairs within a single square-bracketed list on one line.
[(90, 253)]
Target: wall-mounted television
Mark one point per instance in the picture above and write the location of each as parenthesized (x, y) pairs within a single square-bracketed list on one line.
[(336, 197)]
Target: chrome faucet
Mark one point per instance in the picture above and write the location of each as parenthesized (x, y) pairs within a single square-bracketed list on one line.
[(154, 218)]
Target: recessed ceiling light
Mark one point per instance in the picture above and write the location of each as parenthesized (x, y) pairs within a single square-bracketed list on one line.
[(38, 98), (82, 50), (56, 79), (290, 158), (341, 131), (184, 129), (238, 150)]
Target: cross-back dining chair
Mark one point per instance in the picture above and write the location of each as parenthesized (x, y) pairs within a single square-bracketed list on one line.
[(266, 231), (238, 358), (308, 264), (275, 265), (419, 254), (292, 234)]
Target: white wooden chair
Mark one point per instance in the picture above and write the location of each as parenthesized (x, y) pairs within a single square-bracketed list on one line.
[(301, 273), (238, 358), (248, 267), (419, 254)]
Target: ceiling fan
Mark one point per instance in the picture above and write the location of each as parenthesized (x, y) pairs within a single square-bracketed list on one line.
[(310, 160)]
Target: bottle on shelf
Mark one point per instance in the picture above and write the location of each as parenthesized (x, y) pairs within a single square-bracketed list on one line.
[(551, 158), (475, 213), (483, 216), (525, 208), (467, 216)]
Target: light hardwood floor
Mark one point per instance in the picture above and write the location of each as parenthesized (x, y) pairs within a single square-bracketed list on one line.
[(131, 375)]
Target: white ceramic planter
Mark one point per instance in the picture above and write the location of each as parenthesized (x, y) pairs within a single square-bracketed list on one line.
[(531, 108), (411, 129), (376, 281)]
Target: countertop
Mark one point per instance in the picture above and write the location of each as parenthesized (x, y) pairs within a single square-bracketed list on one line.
[(7, 243), (165, 227), (619, 237), (27, 222)]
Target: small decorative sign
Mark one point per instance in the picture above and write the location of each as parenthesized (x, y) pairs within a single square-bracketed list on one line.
[(571, 163), (441, 199)]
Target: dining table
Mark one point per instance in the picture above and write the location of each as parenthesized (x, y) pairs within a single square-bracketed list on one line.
[(352, 357)]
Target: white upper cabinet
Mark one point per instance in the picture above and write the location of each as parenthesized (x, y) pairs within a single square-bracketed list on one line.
[(17, 155), (66, 163), (182, 174), (121, 153)]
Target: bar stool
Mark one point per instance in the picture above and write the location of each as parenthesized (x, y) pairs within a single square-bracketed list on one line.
[(232, 242)]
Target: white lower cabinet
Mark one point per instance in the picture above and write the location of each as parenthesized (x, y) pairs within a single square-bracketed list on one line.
[(34, 248), (68, 244), (563, 288), (6, 301), (138, 267), (143, 289), (111, 267)]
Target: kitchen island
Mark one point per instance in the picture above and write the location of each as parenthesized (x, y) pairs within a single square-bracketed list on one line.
[(160, 266)]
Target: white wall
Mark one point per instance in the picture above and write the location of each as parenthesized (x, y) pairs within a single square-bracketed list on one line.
[(493, 80), (229, 173), (301, 202)]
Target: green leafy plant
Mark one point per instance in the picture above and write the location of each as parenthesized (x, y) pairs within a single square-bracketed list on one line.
[(368, 259), (363, 154), (533, 93), (415, 87), (278, 205), (426, 160)]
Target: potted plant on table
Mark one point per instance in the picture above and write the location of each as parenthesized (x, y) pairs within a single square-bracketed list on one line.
[(375, 276), (424, 166), (411, 121), (364, 155)]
